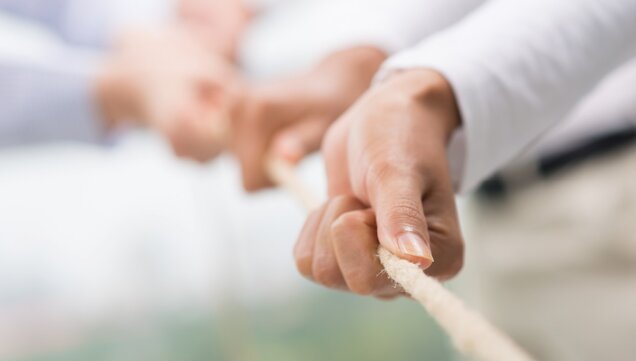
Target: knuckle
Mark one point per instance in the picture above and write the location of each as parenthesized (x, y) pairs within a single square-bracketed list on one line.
[(387, 171), (326, 273), (378, 171), (303, 264), (363, 284), (341, 229), (345, 203), (390, 167), (406, 212), (344, 223)]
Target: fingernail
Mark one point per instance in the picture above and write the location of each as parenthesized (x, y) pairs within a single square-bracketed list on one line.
[(413, 245)]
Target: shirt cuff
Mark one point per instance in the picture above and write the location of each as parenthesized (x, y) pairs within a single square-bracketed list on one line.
[(96, 24), (54, 103)]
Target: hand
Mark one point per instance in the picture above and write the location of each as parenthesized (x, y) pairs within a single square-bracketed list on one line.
[(389, 183), (168, 82), (338, 249), (289, 118), (219, 24)]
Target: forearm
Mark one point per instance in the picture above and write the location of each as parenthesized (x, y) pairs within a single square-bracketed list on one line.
[(518, 67), (47, 106), (47, 87), (347, 73)]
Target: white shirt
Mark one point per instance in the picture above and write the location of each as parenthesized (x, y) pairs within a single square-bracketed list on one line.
[(609, 108), (519, 67), (89, 22), (51, 49), (49, 53), (297, 34)]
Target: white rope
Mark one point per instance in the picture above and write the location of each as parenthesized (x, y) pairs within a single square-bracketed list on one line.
[(471, 333)]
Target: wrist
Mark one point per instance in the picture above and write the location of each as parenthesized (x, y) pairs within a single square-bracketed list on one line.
[(358, 60), (342, 77), (112, 96), (430, 94)]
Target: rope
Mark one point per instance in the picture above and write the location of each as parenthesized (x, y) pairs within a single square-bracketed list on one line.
[(470, 332)]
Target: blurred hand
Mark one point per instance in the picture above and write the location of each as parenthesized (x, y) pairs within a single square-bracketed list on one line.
[(288, 118), (168, 82), (219, 24), (389, 183)]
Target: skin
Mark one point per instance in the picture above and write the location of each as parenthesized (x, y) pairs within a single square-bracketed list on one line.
[(386, 163), (389, 184), (168, 82), (288, 118)]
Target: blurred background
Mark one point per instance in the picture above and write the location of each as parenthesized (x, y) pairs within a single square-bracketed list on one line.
[(114, 249), (130, 254), (123, 252)]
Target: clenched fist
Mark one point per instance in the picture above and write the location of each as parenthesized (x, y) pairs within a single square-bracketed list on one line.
[(389, 184)]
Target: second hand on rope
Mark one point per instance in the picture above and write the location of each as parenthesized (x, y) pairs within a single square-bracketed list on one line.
[(471, 333)]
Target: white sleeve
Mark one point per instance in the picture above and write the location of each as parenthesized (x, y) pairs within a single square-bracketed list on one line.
[(390, 25), (97, 22), (517, 68), (45, 87), (298, 34), (91, 22)]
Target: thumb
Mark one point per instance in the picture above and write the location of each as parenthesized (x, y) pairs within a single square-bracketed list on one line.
[(299, 139), (402, 227)]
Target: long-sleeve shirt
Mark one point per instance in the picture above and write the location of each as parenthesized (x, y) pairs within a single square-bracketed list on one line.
[(50, 51), (53, 49), (88, 22), (297, 34), (518, 68)]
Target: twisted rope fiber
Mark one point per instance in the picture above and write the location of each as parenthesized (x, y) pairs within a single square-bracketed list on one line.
[(470, 332)]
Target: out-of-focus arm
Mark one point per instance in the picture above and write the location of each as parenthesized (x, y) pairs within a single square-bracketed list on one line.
[(98, 22), (517, 67), (91, 22), (45, 87), (389, 25), (303, 32)]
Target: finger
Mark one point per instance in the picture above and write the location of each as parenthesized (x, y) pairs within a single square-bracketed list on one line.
[(179, 129), (266, 111), (250, 137), (443, 227), (325, 268), (334, 150), (396, 197), (304, 248), (299, 139), (355, 240), (197, 134)]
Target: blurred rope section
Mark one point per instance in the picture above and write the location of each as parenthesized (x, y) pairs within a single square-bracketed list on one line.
[(471, 333)]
